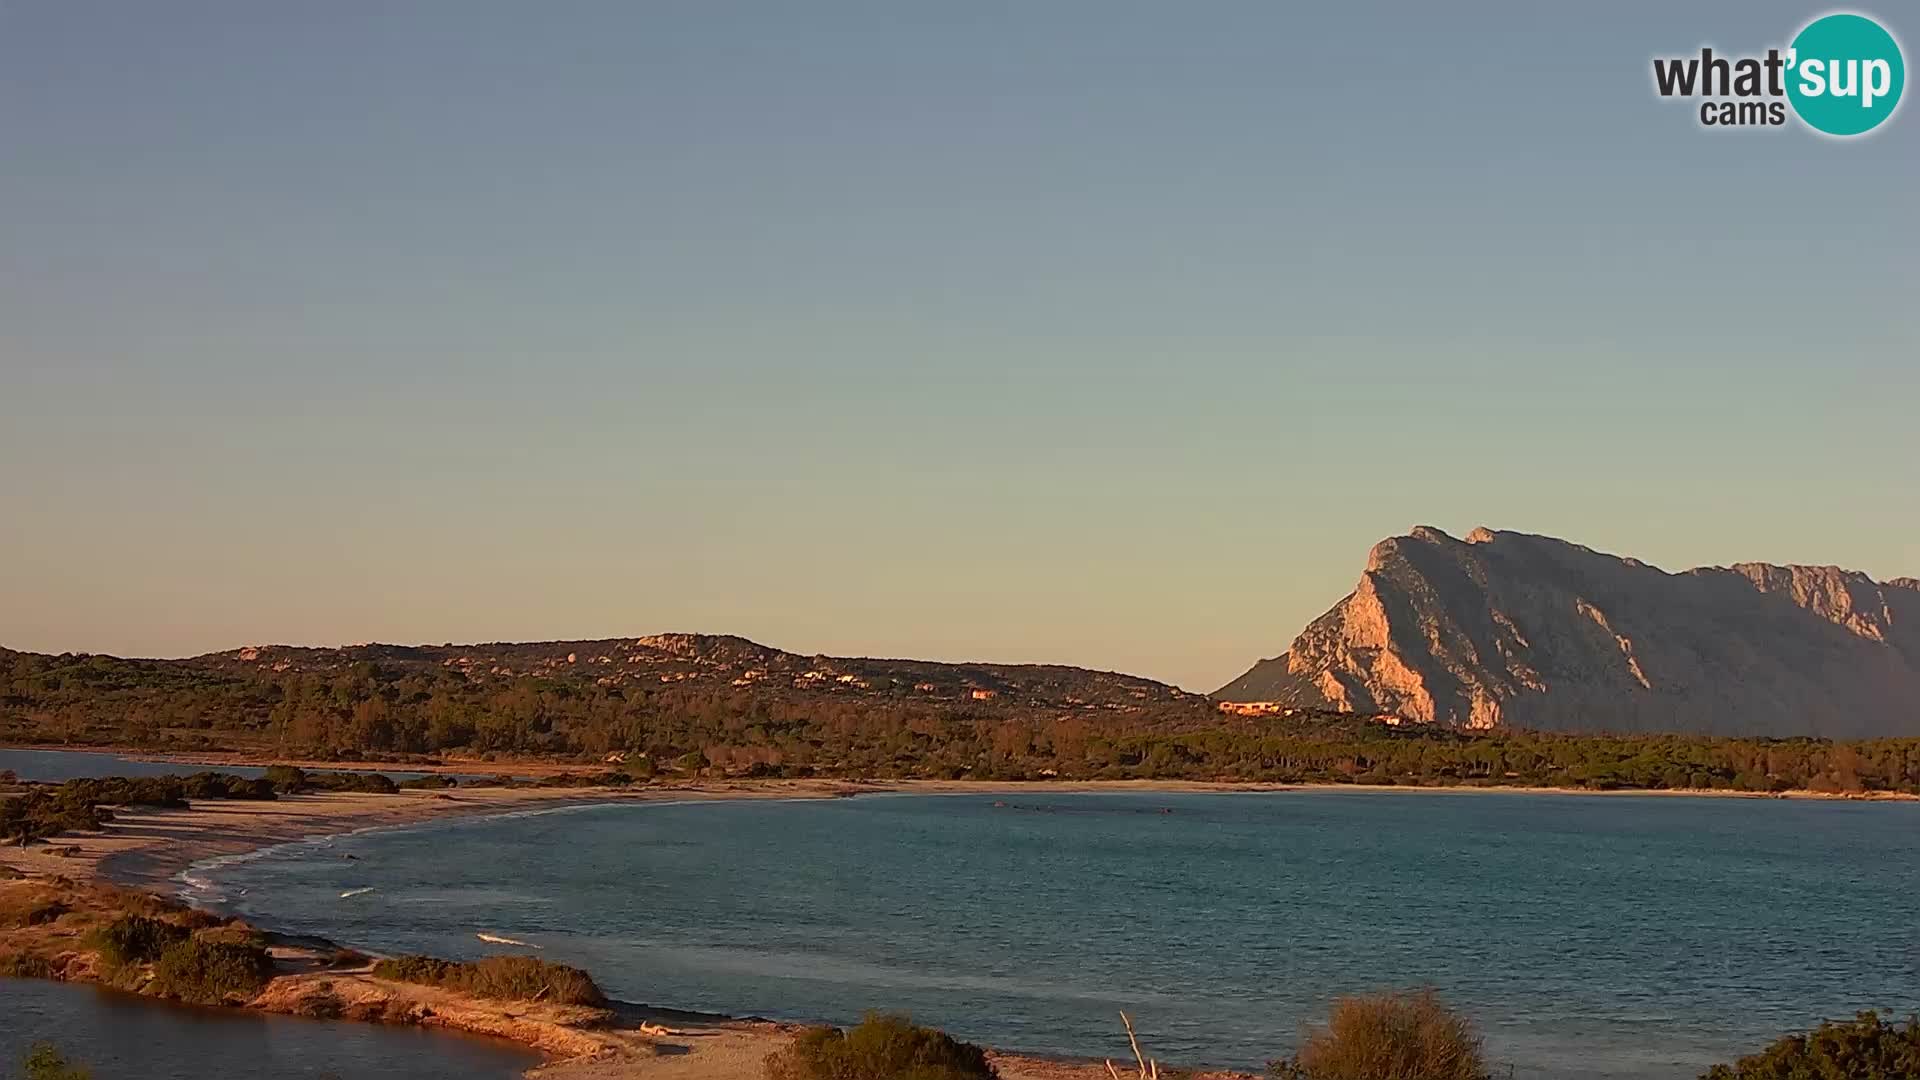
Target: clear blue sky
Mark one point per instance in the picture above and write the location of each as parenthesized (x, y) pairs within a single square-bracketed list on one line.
[(1093, 332)]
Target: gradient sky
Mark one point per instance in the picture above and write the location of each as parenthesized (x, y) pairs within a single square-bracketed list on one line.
[(1101, 333)]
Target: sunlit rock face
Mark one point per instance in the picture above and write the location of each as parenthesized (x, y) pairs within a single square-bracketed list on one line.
[(1510, 629)]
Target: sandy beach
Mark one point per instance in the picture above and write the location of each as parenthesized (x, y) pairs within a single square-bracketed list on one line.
[(147, 848)]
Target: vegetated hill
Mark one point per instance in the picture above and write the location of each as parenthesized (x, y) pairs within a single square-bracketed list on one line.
[(685, 705), (666, 693), (1510, 629), (720, 660)]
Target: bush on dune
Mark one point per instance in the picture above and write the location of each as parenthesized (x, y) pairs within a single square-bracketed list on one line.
[(37, 815), (1408, 1035), (881, 1047), (292, 780), (1864, 1048), (211, 972), (506, 978), (134, 939)]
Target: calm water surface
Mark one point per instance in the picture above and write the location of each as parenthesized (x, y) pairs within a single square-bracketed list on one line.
[(1591, 937), (138, 1039)]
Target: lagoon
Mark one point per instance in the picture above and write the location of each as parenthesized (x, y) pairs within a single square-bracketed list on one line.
[(122, 1036), (1591, 936)]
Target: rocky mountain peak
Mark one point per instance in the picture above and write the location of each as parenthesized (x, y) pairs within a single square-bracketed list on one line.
[(1509, 628)]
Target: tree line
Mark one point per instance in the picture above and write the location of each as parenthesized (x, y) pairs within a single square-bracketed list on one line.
[(367, 710)]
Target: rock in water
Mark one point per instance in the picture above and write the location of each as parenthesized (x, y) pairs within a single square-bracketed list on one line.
[(1511, 629)]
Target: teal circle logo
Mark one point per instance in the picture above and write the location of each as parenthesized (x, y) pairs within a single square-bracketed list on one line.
[(1845, 74)]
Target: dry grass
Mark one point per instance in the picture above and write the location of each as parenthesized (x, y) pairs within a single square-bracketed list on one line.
[(1408, 1035), (25, 964), (25, 904)]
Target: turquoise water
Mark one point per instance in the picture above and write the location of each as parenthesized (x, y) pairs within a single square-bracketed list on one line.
[(119, 1036), (1591, 937)]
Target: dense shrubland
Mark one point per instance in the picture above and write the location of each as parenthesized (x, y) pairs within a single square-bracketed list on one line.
[(139, 941), (204, 970), (1864, 1048), (36, 811)]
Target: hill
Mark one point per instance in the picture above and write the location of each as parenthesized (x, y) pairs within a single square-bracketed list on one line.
[(1512, 630), (684, 705), (662, 694)]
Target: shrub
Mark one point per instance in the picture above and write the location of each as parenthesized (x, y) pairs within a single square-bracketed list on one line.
[(24, 964), (376, 783), (286, 779), (45, 1062), (211, 972), (508, 978), (1864, 1048), (37, 815), (583, 780), (881, 1047), (347, 958), (1393, 1036), (134, 939), (429, 970), (235, 932), (435, 782), (213, 785)]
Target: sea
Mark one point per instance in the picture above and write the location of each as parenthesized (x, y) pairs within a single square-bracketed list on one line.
[(1587, 936)]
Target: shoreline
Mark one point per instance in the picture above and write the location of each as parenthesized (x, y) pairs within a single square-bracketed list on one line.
[(216, 760), (153, 850), (149, 850)]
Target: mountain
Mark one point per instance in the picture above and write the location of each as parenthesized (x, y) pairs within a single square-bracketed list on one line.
[(1510, 629)]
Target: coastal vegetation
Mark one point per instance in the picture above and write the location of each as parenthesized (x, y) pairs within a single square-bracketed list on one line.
[(1407, 1035), (36, 811), (206, 971), (31, 812), (679, 718), (507, 978), (215, 964), (44, 1061), (289, 780), (1864, 1048), (881, 1047), (134, 939)]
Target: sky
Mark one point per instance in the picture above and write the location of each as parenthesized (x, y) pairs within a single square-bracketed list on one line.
[(1103, 333)]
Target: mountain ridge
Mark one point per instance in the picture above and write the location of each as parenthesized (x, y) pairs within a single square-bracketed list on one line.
[(1505, 628)]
